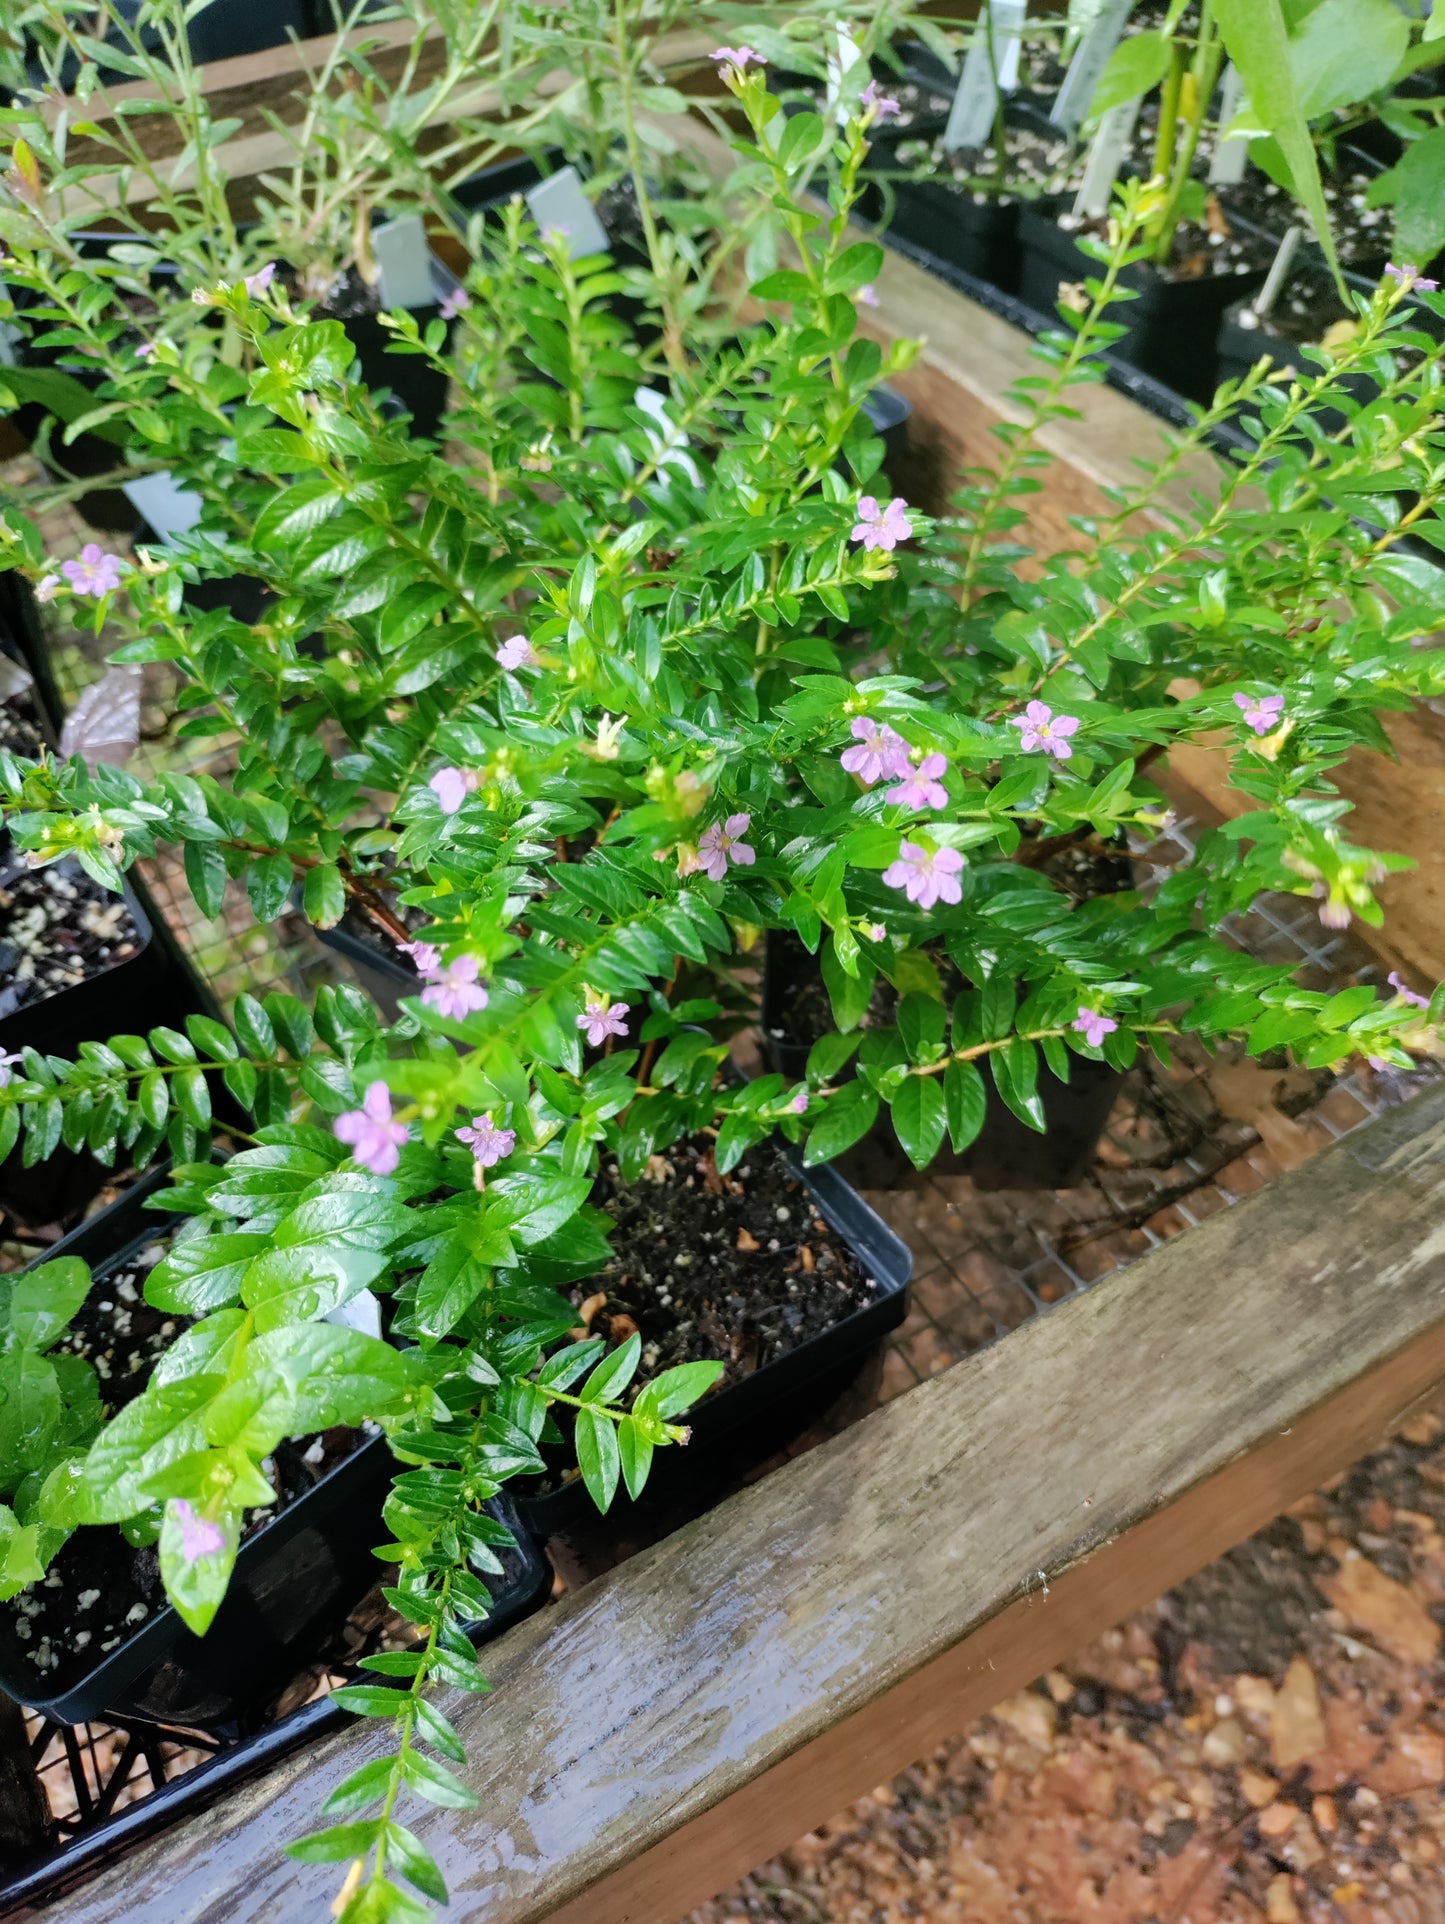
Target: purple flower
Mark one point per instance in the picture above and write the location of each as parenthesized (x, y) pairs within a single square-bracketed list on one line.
[(451, 786), (487, 1142), (601, 1019), (926, 875), (798, 1103), (1262, 714), (867, 294), (426, 955), (877, 105), (457, 302), (1093, 1026), (375, 1140), (200, 1537), (1042, 728), (1393, 978), (1409, 277), (921, 788), (722, 844), (881, 527), (881, 752), (7, 1064), (257, 283), (454, 991), (48, 588), (517, 653), (738, 57), (1333, 914), (146, 349), (96, 573)]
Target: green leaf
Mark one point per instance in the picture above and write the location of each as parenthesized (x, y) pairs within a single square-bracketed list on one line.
[(1016, 1076), (292, 1022), (1415, 188), (677, 1389), (918, 1117), (197, 1584), (1345, 50), (849, 1115), (613, 1373), (365, 1786), (206, 876), (1257, 41), (268, 886), (438, 1784), (42, 1302), (635, 1449), (1136, 65), (324, 895), (254, 1028), (921, 1023), (415, 1861), (598, 1457), (849, 994), (966, 1102), (336, 1845)]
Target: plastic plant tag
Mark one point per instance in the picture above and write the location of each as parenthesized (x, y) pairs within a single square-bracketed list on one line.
[(991, 69), (669, 443), (1091, 56), (559, 204), (1279, 268), (168, 508), (1231, 152), (361, 1311), (404, 260), (104, 725), (1106, 155), (846, 55), (8, 335)]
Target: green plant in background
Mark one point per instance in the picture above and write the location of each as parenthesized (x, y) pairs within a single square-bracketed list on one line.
[(570, 719)]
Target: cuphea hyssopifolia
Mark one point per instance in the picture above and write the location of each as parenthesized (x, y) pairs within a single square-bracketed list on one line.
[(573, 717)]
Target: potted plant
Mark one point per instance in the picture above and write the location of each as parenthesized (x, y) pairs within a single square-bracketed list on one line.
[(579, 715)]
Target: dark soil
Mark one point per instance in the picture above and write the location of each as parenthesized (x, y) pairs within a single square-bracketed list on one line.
[(58, 928), (348, 297), (738, 1268), (1032, 164), (100, 1589)]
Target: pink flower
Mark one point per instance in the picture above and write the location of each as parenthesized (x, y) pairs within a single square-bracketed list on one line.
[(454, 991), (877, 105), (881, 752), (881, 527), (738, 57), (1333, 914), (1264, 714), (1409, 277), (921, 787), (96, 573), (145, 350), (601, 1019), (374, 1138), (426, 955), (722, 844), (457, 302), (1042, 728), (200, 1537), (7, 1065), (1093, 1026), (257, 283), (1393, 978), (867, 294), (451, 786), (926, 875), (487, 1142), (517, 653), (799, 1102)]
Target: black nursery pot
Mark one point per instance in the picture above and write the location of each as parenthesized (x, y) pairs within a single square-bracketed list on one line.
[(294, 1582), (741, 1425), (1007, 1154), (980, 236), (1172, 329)]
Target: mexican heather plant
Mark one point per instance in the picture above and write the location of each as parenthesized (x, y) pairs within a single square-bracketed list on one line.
[(571, 715)]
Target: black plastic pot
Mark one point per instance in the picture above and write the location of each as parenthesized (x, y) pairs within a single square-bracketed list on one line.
[(980, 236), (1172, 329), (385, 978), (736, 1428), (1007, 1154), (294, 1582)]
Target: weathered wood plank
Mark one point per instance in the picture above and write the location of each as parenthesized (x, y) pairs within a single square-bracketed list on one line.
[(676, 1722)]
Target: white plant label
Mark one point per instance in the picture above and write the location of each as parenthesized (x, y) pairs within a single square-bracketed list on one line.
[(8, 335), (1106, 156), (976, 101), (1091, 56), (361, 1311), (846, 56), (404, 259), (559, 203), (1279, 268), (1230, 156), (167, 506)]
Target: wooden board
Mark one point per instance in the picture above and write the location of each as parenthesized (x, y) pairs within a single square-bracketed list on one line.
[(694, 1711)]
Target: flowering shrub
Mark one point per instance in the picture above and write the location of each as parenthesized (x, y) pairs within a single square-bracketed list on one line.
[(569, 719)]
